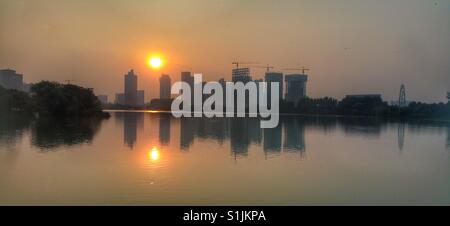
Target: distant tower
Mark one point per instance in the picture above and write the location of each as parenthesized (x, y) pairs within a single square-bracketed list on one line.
[(274, 77), (241, 75), (140, 98), (402, 97), (164, 87), (187, 77), (295, 87), (131, 81)]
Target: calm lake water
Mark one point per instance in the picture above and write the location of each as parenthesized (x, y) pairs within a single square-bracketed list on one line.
[(137, 158)]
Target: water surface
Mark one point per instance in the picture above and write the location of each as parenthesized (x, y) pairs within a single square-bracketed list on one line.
[(137, 158)]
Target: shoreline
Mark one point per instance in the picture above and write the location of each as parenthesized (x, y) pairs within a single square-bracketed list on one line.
[(304, 115)]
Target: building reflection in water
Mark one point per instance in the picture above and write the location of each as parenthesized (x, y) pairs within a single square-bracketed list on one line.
[(217, 129), (164, 128), (272, 140), (187, 134), (239, 137), (448, 138), (294, 135), (242, 133), (401, 135), (132, 121), (365, 127)]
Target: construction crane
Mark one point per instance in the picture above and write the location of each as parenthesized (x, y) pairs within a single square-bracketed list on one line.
[(268, 67), (302, 69), (240, 63)]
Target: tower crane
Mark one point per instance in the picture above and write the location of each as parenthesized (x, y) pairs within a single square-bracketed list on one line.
[(267, 67), (302, 69), (240, 63)]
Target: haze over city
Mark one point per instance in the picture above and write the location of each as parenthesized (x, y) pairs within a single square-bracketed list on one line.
[(351, 46)]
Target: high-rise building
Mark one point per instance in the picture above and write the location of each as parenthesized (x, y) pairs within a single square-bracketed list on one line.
[(9, 79), (187, 77), (131, 83), (141, 98), (274, 77), (164, 87), (241, 75), (295, 87), (294, 136), (259, 91), (103, 99)]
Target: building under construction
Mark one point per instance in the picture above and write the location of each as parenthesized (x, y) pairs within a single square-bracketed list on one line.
[(295, 87)]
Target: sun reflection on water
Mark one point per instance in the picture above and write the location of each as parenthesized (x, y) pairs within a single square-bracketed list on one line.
[(154, 154)]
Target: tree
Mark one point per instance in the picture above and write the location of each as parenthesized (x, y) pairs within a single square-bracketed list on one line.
[(56, 99), (362, 105), (325, 105), (2, 98), (14, 100), (448, 96)]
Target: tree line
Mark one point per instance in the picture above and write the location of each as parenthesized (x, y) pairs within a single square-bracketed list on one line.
[(367, 106), (53, 99), (350, 106)]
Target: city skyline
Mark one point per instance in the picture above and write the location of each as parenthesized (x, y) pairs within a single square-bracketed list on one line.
[(228, 110), (370, 47)]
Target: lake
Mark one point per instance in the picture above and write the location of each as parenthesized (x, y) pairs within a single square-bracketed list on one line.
[(143, 158)]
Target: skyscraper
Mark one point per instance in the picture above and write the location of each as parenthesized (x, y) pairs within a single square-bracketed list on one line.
[(141, 98), (164, 87), (187, 77), (131, 81), (241, 75), (295, 87), (274, 77)]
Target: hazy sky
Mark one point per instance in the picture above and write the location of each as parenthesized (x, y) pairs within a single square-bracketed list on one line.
[(352, 46)]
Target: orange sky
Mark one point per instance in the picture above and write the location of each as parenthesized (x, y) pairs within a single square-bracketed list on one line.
[(352, 46)]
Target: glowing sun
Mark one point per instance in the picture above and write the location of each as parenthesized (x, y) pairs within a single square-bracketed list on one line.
[(155, 62)]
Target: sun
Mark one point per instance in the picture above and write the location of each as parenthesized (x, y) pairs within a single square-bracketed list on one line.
[(155, 62)]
